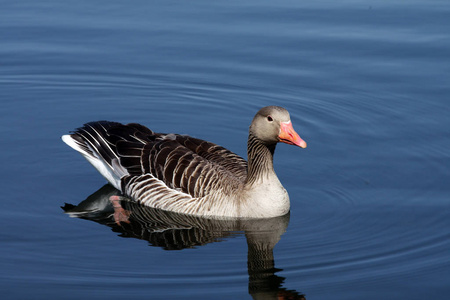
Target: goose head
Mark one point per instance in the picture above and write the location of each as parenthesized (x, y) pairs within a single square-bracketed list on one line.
[(272, 124)]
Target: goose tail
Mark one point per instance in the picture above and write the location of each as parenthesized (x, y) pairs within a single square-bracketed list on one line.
[(90, 143)]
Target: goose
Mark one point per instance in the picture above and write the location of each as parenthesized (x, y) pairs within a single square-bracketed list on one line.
[(188, 175)]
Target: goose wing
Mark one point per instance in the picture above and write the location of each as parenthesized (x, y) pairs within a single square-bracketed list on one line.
[(170, 163)]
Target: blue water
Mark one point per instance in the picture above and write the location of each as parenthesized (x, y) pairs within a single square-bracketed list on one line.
[(367, 85)]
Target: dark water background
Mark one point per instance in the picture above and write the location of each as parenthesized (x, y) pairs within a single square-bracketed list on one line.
[(367, 84)]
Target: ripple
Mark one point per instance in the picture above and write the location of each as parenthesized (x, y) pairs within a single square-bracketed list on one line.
[(371, 242)]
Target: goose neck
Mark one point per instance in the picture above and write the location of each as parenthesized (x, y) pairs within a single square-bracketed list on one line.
[(260, 160)]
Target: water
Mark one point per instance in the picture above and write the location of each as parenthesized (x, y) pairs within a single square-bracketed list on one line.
[(367, 86)]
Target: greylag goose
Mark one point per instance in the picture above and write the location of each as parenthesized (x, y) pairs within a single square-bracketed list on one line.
[(187, 175)]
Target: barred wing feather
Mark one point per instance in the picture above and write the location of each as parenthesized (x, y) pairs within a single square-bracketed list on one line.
[(156, 165)]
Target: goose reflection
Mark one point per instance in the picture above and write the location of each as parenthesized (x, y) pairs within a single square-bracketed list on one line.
[(172, 231)]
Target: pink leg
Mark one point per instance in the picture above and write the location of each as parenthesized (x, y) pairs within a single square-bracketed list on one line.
[(120, 214)]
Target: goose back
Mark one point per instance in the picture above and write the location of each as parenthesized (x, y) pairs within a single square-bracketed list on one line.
[(144, 160)]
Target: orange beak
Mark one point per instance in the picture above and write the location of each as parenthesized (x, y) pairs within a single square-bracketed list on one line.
[(289, 136)]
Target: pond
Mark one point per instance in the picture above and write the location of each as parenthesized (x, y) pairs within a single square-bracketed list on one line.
[(367, 87)]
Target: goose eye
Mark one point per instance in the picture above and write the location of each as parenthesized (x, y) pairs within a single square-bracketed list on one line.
[(269, 118)]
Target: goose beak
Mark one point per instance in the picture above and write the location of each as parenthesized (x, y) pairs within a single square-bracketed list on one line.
[(289, 136)]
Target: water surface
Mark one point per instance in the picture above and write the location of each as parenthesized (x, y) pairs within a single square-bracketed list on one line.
[(366, 84)]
